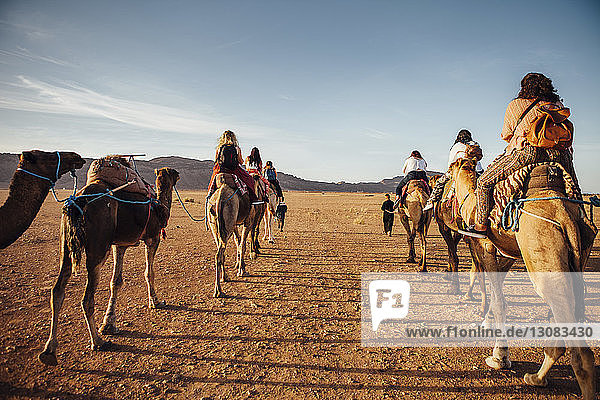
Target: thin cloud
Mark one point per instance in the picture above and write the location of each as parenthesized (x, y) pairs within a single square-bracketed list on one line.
[(32, 32), (376, 134), (71, 99)]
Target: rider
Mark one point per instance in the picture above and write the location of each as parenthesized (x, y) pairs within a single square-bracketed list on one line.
[(457, 151), (271, 174), (254, 167), (415, 167), (519, 152), (229, 138)]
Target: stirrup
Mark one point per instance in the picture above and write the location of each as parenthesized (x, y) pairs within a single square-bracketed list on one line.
[(472, 232)]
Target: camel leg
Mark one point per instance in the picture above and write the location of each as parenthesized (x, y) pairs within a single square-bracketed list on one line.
[(423, 263), (582, 361), (151, 248), (219, 265), (500, 357), (48, 356), (93, 264), (242, 251), (410, 238), (451, 240), (477, 273), (557, 289), (109, 324)]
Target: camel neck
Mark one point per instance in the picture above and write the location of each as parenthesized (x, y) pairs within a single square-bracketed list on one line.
[(25, 197), (165, 197), (467, 201)]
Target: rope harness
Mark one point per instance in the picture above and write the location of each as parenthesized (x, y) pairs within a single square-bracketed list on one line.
[(185, 209), (510, 215), (53, 182)]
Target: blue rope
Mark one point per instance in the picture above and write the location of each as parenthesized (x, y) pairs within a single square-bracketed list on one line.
[(185, 209), (70, 201), (510, 215), (53, 183)]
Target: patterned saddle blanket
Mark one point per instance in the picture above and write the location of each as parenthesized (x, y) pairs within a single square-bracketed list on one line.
[(232, 181), (547, 175)]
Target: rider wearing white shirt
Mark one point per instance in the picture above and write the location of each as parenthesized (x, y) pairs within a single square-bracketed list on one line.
[(457, 151), (414, 168)]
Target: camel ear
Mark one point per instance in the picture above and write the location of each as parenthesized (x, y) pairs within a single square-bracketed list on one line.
[(28, 156)]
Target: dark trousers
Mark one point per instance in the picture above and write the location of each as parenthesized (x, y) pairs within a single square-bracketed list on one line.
[(388, 221), (275, 184), (409, 177)]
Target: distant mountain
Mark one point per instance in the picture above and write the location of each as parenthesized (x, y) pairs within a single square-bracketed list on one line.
[(195, 175)]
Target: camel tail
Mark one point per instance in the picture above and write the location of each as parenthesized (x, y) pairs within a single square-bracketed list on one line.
[(73, 234)]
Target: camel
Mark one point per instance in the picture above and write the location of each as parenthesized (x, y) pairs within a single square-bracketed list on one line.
[(270, 213), (228, 208), (104, 222), (446, 219), (27, 192), (554, 241), (415, 220)]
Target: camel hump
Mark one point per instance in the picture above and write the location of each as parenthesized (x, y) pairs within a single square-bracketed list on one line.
[(545, 176)]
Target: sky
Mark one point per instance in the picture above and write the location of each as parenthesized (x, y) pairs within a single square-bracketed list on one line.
[(327, 90)]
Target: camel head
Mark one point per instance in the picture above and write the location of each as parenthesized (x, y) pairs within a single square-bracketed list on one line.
[(45, 163), (166, 178)]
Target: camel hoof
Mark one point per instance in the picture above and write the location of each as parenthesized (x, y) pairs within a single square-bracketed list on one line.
[(158, 305), (533, 380), (48, 358), (454, 291), (226, 278), (467, 297), (411, 260), (218, 295), (424, 269), (109, 329), (242, 274), (495, 363), (106, 345)]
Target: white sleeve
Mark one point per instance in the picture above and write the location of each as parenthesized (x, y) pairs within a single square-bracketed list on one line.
[(405, 166)]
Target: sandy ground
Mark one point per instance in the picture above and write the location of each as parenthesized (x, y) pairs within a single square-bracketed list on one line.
[(290, 330)]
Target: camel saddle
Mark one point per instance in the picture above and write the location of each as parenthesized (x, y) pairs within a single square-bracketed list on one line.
[(232, 181), (117, 171), (528, 180)]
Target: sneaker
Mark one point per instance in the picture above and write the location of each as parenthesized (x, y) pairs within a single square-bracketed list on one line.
[(428, 206), (471, 231)]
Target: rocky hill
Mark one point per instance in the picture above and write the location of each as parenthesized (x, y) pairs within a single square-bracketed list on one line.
[(195, 175)]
